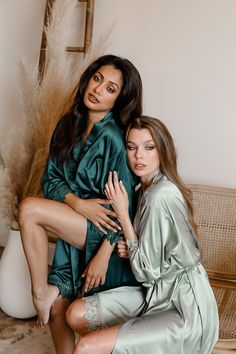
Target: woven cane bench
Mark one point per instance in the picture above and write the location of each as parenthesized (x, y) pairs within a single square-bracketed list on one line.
[(215, 214)]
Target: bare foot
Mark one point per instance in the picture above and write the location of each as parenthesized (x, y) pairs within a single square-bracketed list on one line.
[(43, 301)]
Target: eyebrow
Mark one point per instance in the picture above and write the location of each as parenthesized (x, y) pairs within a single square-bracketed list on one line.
[(145, 142), (111, 82)]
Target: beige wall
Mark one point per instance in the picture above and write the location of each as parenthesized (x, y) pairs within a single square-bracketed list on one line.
[(20, 37), (186, 53)]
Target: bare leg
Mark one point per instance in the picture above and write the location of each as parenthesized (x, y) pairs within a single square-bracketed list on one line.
[(63, 336), (98, 342), (38, 216), (75, 317)]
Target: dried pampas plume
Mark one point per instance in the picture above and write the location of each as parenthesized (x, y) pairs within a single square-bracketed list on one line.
[(39, 104), (7, 200)]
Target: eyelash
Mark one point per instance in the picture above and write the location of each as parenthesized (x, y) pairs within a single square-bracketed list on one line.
[(131, 148), (96, 78), (109, 89)]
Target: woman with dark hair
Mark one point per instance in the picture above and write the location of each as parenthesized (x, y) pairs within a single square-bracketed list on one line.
[(87, 143), (175, 311)]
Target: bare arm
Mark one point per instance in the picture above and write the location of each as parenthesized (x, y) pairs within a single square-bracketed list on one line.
[(93, 210), (116, 192), (95, 272), (158, 231)]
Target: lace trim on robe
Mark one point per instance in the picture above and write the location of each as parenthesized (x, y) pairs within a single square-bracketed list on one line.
[(132, 248), (92, 305)]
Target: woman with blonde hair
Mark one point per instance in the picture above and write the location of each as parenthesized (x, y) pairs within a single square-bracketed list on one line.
[(174, 311)]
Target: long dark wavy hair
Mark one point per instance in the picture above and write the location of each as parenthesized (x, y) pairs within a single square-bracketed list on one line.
[(128, 105), (167, 155)]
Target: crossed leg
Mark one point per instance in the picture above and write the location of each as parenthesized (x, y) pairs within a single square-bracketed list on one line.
[(63, 323), (38, 218), (100, 341), (62, 334), (109, 309)]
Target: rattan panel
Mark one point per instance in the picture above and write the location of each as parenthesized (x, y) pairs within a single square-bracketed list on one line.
[(215, 214), (226, 300)]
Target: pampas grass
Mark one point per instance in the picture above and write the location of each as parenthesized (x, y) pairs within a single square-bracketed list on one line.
[(7, 200), (38, 105)]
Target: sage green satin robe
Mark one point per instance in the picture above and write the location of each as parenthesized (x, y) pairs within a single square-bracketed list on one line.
[(175, 312), (85, 175)]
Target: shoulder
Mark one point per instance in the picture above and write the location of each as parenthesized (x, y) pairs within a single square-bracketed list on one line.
[(165, 195), (113, 136), (111, 130), (108, 128)]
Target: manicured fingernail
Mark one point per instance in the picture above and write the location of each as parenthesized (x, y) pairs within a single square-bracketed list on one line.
[(121, 182), (114, 172)]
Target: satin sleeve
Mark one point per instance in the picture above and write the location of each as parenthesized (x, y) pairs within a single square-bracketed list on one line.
[(53, 183), (149, 255)]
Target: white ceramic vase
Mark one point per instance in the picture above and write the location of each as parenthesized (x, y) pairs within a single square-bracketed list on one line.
[(15, 284)]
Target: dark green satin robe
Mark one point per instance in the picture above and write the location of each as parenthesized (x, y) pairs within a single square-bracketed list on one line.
[(85, 175)]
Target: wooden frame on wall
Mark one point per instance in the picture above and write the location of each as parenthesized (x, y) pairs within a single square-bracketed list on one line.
[(88, 28), (87, 33)]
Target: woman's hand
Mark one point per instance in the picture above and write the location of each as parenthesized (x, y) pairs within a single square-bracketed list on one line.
[(122, 248), (93, 210), (95, 272), (116, 192)]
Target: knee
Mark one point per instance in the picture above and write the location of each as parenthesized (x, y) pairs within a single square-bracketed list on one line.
[(85, 346), (75, 316), (27, 210)]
